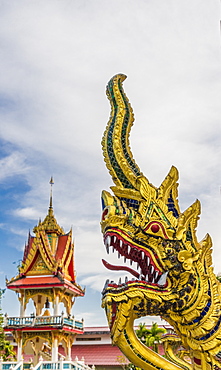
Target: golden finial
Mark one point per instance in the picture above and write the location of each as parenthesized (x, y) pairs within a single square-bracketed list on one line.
[(51, 182), (50, 224)]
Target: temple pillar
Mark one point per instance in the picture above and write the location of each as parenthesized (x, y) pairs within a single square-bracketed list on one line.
[(68, 350), (54, 353), (22, 305), (19, 347), (56, 306)]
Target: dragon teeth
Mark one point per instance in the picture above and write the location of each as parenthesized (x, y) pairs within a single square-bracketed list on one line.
[(152, 276), (108, 241), (163, 279)]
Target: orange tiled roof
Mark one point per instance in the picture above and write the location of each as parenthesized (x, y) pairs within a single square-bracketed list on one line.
[(62, 241), (42, 281), (102, 354), (49, 252)]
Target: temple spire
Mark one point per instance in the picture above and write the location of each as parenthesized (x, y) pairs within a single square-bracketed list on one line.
[(50, 211), (50, 224)]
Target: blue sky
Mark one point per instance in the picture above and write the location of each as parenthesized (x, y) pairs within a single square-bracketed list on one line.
[(56, 59)]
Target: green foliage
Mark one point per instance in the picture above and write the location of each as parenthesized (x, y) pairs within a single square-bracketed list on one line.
[(133, 367), (125, 366), (150, 337), (6, 349), (142, 333)]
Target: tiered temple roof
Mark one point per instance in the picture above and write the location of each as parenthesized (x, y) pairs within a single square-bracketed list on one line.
[(47, 278), (48, 259)]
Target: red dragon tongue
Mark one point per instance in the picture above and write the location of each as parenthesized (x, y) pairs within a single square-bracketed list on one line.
[(118, 268)]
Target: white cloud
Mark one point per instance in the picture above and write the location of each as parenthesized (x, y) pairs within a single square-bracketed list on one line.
[(56, 60), (12, 165), (27, 213)]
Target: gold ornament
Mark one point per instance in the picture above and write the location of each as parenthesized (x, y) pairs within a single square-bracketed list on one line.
[(170, 272)]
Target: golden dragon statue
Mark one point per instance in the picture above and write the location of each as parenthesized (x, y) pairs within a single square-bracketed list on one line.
[(171, 273)]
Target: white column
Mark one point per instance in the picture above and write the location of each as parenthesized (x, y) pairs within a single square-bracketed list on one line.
[(56, 306), (54, 354), (19, 349), (22, 305), (69, 351)]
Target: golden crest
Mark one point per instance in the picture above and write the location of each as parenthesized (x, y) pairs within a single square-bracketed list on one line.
[(168, 271)]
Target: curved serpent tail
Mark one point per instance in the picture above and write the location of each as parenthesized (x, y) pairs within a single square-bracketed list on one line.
[(115, 142)]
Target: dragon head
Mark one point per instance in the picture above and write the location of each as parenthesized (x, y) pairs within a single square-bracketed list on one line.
[(143, 224)]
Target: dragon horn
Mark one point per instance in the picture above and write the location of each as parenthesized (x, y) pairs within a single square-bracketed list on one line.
[(187, 223), (115, 142)]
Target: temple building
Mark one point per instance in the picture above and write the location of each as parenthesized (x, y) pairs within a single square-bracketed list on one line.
[(47, 278)]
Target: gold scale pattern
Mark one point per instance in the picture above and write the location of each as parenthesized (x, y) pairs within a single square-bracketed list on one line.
[(145, 226)]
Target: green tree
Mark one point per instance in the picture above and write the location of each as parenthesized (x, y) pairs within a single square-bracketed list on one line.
[(151, 337), (142, 332), (6, 349)]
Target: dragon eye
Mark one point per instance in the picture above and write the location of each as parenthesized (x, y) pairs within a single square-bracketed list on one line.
[(155, 228)]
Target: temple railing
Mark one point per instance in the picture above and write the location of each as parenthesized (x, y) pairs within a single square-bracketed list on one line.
[(11, 365), (46, 365), (43, 321), (61, 365)]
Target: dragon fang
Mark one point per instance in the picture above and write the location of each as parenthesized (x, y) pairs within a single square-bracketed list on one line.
[(170, 273)]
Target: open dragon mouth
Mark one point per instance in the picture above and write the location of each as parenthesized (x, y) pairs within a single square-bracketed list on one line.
[(142, 266)]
